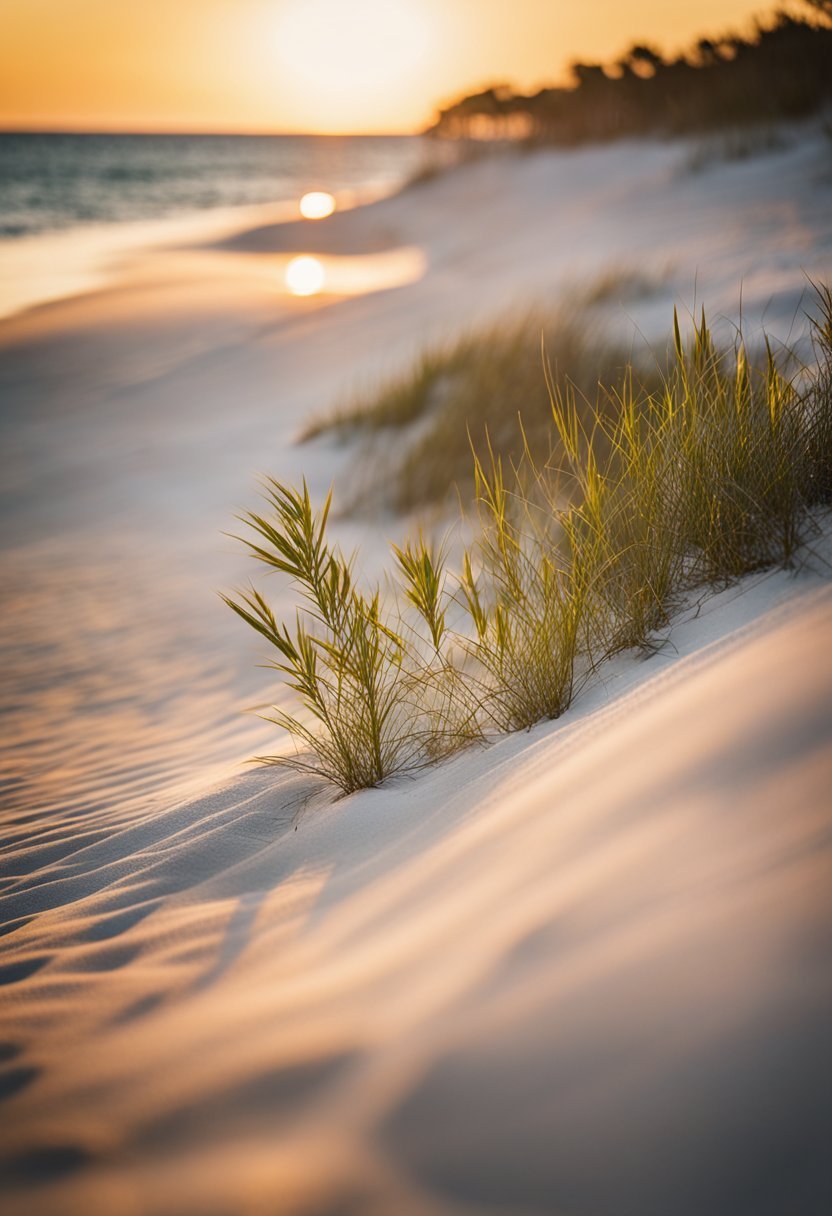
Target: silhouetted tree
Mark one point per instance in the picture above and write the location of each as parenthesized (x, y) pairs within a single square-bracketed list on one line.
[(643, 60), (783, 71), (824, 7)]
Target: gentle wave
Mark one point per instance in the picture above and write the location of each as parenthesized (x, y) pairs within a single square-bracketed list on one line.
[(58, 181)]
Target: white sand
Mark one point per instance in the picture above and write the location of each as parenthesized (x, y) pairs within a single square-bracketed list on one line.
[(583, 971)]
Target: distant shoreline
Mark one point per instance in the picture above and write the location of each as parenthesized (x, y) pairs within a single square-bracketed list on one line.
[(115, 132), (75, 206)]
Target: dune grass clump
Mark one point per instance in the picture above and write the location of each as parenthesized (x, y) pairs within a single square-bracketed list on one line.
[(341, 658), (454, 706), (475, 384), (818, 410), (621, 284), (528, 600), (616, 467), (375, 703), (740, 434), (646, 493), (699, 482)]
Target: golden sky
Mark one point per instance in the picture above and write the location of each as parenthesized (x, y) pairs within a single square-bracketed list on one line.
[(308, 65)]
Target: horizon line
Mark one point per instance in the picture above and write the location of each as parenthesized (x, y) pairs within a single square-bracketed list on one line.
[(206, 131)]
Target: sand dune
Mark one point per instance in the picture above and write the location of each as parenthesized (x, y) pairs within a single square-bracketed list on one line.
[(584, 971)]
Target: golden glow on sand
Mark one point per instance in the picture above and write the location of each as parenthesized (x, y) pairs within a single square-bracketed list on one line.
[(305, 276), (316, 205)]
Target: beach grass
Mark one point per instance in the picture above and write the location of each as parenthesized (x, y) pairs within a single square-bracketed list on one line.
[(374, 704), (646, 493), (481, 381)]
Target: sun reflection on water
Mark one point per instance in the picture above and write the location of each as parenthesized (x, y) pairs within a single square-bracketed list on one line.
[(316, 205), (350, 275), (305, 276)]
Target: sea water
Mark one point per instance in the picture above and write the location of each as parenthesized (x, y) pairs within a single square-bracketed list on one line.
[(72, 206), (58, 181)]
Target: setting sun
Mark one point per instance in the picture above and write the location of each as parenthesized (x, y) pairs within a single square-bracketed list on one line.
[(329, 46)]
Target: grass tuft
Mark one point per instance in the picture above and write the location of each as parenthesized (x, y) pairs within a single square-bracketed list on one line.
[(646, 492), (528, 601), (477, 383), (342, 658), (375, 702)]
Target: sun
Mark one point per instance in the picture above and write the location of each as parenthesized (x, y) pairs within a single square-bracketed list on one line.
[(351, 50)]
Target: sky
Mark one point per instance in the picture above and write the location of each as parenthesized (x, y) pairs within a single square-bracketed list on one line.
[(330, 66)]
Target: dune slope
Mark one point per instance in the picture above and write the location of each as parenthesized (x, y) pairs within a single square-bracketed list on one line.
[(585, 970)]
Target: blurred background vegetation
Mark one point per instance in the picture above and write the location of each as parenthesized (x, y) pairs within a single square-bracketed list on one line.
[(783, 71)]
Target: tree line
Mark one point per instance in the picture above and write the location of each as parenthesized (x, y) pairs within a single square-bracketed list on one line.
[(782, 71)]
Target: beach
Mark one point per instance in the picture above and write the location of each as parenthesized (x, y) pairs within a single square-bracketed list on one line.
[(226, 991)]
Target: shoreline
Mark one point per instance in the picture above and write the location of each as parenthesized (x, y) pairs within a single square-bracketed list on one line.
[(56, 266)]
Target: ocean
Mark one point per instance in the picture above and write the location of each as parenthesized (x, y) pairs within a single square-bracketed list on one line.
[(50, 182)]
